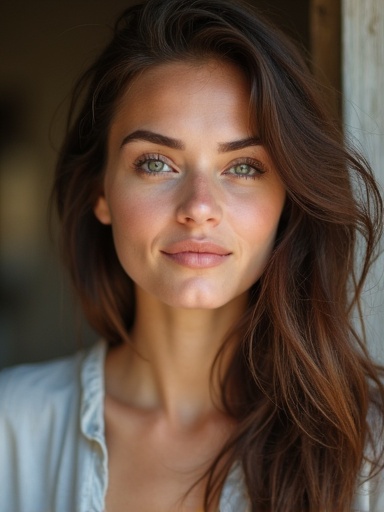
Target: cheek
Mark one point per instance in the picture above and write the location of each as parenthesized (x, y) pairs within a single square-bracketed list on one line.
[(134, 217), (259, 237), (258, 220)]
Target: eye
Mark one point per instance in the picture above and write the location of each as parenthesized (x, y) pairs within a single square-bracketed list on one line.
[(152, 164), (246, 169), (156, 166)]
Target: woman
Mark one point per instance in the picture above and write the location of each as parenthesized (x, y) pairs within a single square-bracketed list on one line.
[(210, 226)]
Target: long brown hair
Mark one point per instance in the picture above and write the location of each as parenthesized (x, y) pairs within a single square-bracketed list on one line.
[(301, 384)]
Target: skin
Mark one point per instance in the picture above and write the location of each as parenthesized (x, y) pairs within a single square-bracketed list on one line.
[(168, 202)]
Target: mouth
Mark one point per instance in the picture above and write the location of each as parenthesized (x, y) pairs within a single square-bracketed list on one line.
[(196, 254)]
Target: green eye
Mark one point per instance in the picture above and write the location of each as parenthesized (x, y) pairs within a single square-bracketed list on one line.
[(252, 169), (244, 170), (156, 165), (152, 165)]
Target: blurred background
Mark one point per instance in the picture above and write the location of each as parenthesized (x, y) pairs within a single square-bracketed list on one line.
[(44, 46)]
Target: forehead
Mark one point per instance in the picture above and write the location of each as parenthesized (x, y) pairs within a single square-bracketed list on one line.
[(199, 92)]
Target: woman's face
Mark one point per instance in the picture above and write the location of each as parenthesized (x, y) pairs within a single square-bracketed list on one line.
[(193, 197)]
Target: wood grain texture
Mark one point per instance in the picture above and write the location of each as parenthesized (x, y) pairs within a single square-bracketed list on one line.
[(363, 113), (325, 34)]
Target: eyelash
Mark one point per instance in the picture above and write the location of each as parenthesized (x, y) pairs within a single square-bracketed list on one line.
[(258, 166), (139, 163)]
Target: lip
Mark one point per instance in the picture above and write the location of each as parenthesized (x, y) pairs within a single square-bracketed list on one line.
[(196, 254)]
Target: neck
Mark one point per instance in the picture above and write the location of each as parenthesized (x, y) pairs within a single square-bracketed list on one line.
[(174, 350)]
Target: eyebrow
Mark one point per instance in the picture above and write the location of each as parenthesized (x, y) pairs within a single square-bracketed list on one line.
[(155, 138), (163, 140), (225, 147)]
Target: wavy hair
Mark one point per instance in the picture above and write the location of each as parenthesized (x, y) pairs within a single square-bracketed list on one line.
[(301, 384)]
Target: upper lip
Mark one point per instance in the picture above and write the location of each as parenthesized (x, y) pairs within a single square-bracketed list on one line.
[(199, 246)]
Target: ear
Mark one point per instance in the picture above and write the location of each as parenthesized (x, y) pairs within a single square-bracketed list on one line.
[(101, 210)]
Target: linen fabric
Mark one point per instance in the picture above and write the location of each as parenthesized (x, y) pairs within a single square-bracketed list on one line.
[(53, 455)]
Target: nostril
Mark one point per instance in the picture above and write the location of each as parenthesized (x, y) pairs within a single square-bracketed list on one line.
[(199, 210)]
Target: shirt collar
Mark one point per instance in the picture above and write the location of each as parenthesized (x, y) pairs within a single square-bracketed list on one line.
[(93, 392)]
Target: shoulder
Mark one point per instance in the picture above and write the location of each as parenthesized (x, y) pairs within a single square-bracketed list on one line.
[(44, 410), (28, 386), (50, 388)]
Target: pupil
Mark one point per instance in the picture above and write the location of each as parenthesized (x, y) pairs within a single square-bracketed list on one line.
[(155, 165), (242, 169)]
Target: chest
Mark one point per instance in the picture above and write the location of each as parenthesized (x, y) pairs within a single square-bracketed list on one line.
[(153, 467)]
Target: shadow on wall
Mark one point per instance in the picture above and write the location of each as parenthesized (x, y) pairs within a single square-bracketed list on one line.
[(31, 296), (44, 46)]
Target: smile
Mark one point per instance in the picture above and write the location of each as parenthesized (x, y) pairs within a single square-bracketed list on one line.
[(196, 254)]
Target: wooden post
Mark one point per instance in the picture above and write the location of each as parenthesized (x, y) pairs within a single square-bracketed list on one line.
[(325, 35), (363, 107)]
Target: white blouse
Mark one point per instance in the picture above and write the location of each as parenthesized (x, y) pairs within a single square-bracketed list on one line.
[(53, 455)]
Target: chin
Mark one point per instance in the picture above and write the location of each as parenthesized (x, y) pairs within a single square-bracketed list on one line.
[(195, 294), (197, 299), (193, 303)]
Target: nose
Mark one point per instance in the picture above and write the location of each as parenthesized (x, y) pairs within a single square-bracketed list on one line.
[(199, 202)]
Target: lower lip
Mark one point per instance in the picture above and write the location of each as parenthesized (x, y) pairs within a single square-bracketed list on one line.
[(197, 259)]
